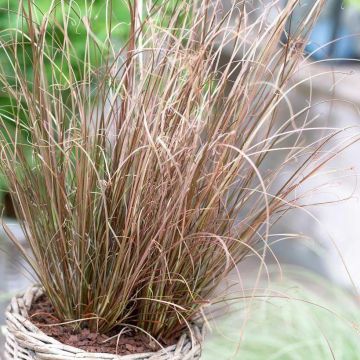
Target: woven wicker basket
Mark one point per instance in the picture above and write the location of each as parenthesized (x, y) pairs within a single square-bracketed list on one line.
[(24, 341)]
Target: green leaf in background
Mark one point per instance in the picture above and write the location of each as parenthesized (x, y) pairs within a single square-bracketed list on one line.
[(94, 9), (355, 3), (315, 321)]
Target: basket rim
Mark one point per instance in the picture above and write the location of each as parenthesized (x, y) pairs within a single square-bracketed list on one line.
[(19, 326)]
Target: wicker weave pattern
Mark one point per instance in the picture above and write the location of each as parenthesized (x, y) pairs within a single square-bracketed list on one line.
[(24, 341)]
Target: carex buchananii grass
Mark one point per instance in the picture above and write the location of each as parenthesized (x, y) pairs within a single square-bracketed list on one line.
[(136, 170)]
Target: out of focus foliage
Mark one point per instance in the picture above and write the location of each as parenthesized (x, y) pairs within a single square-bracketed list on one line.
[(95, 14), (354, 2), (92, 12), (292, 321)]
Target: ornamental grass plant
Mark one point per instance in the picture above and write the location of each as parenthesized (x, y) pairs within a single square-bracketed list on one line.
[(139, 170)]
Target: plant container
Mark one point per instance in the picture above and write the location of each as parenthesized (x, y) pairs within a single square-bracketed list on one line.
[(26, 341)]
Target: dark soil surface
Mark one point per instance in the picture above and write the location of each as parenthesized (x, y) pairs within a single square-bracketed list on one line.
[(42, 314)]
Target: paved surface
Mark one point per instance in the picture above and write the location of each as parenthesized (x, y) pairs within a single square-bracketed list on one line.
[(335, 226)]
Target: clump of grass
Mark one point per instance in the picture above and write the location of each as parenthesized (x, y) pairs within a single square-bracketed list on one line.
[(139, 179)]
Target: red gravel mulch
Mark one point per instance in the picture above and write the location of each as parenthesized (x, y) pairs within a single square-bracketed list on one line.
[(42, 314)]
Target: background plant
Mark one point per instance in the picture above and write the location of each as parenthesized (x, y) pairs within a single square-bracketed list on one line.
[(301, 316), (139, 173), (95, 11)]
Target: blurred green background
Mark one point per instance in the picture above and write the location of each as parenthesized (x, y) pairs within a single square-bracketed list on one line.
[(94, 10), (300, 317)]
